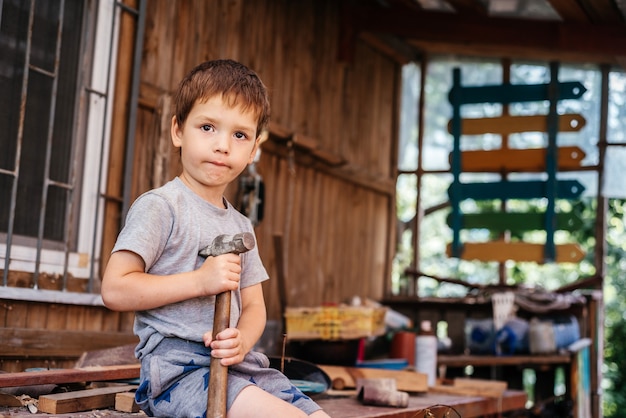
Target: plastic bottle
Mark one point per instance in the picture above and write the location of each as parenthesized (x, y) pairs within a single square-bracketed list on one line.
[(426, 352)]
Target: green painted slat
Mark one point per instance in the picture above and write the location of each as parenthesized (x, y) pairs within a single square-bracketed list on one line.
[(507, 221)]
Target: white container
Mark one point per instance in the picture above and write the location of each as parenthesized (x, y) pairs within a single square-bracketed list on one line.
[(426, 352)]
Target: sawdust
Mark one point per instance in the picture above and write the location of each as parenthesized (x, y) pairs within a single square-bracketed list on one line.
[(22, 412)]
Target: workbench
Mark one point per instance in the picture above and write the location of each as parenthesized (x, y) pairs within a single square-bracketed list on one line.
[(419, 404)]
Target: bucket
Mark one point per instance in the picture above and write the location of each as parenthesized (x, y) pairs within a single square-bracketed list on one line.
[(480, 336), (549, 335)]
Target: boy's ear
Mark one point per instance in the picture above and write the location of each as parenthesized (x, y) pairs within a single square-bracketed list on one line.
[(176, 133), (257, 142)]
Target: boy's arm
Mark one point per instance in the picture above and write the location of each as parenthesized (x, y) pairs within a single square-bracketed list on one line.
[(126, 286), (253, 315), (232, 344)]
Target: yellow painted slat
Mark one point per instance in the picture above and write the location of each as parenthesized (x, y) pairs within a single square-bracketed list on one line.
[(518, 251), (505, 125)]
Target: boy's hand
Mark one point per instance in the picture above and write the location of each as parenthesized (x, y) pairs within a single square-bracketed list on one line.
[(219, 274), (228, 346)]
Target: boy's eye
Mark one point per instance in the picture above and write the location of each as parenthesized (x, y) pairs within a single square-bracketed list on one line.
[(240, 135), (206, 128)]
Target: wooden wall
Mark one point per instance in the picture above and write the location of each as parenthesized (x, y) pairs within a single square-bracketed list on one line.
[(328, 166), (54, 335)]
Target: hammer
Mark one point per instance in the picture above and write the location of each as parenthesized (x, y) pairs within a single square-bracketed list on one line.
[(218, 378)]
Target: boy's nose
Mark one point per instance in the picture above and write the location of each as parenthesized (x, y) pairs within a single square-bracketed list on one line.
[(222, 144)]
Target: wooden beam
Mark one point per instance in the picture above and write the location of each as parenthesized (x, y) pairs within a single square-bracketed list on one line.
[(582, 39), (81, 400), (469, 7), (602, 12), (569, 10), (58, 376)]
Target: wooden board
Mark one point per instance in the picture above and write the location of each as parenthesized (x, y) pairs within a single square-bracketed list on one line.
[(507, 124), (81, 400), (125, 402), (86, 374), (519, 160), (20, 341), (519, 251), (345, 377), (472, 387)]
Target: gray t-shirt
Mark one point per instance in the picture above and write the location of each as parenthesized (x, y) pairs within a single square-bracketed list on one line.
[(167, 227)]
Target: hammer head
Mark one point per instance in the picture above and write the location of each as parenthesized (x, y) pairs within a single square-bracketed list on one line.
[(223, 244)]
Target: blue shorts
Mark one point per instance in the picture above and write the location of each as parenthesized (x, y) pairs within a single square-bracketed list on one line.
[(175, 380)]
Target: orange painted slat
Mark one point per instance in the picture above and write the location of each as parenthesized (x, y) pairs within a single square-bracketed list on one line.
[(509, 160), (505, 125)]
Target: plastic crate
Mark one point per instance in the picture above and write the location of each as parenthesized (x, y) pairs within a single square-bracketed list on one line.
[(334, 322)]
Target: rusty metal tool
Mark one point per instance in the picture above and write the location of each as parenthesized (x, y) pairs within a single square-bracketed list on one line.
[(218, 378)]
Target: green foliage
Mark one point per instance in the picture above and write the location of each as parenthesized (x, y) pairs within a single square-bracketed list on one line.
[(614, 384)]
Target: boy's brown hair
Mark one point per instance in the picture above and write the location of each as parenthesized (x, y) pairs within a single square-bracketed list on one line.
[(237, 84)]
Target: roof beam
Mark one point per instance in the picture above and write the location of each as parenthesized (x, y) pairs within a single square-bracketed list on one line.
[(544, 37), (470, 7), (569, 10), (602, 11)]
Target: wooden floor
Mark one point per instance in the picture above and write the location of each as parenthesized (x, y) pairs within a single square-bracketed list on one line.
[(6, 412), (435, 403), (350, 407)]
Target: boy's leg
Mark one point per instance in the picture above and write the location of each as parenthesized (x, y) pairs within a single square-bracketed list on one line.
[(255, 402)]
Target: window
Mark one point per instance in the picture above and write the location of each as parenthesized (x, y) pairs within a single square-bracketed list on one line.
[(424, 171), (56, 72), (39, 69)]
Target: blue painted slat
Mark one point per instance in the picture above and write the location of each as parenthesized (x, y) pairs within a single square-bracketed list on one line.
[(533, 189), (551, 162), (510, 93), (456, 166)]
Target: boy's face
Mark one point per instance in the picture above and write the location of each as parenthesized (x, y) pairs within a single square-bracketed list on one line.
[(217, 142)]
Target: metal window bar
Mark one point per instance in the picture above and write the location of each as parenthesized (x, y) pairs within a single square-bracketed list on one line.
[(139, 15), (18, 151)]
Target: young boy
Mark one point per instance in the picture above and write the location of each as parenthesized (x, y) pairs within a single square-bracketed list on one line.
[(221, 108)]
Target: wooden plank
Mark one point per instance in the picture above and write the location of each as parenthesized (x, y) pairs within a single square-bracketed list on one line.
[(56, 376), (20, 342), (472, 387), (509, 221), (514, 160), (81, 400), (345, 377), (507, 124), (519, 251), (461, 382)]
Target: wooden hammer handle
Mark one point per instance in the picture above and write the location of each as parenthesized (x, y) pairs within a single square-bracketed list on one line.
[(218, 376)]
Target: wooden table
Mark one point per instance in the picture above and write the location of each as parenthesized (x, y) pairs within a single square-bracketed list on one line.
[(438, 404)]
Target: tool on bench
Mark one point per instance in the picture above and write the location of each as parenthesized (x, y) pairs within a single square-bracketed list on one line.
[(218, 378)]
